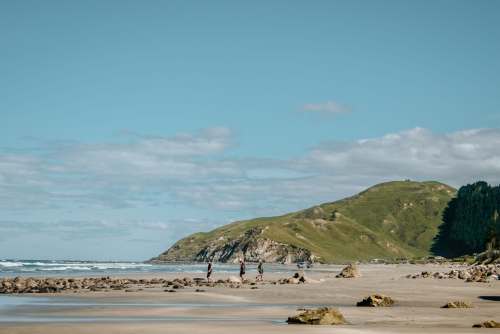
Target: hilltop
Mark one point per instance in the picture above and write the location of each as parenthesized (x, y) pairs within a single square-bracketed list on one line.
[(390, 220)]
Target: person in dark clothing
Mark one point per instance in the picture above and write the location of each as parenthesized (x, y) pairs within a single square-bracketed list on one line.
[(209, 272), (261, 272), (242, 270)]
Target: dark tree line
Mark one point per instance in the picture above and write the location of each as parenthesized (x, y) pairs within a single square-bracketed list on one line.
[(470, 221)]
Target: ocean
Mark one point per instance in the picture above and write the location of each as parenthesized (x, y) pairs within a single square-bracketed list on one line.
[(44, 268)]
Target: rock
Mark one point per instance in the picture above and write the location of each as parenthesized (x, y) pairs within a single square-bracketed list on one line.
[(322, 316), (254, 288), (377, 301), (459, 305), (351, 271), (248, 281), (198, 290), (129, 290), (305, 279), (233, 279), (464, 275), (300, 274), (488, 324), (292, 280), (187, 280), (171, 291)]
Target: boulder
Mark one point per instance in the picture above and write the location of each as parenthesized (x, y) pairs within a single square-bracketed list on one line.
[(305, 279), (300, 274), (351, 271), (459, 305), (377, 301), (322, 316), (248, 281), (488, 324), (233, 279), (464, 275)]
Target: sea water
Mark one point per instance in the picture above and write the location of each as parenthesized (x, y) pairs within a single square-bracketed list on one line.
[(44, 268)]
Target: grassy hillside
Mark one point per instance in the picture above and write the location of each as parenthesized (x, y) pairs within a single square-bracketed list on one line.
[(390, 220)]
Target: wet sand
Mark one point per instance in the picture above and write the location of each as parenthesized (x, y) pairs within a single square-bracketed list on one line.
[(263, 310)]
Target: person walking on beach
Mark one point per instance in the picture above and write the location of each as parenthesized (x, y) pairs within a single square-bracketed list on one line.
[(242, 271), (209, 272), (261, 272)]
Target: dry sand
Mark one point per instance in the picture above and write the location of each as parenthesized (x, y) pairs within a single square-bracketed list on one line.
[(245, 310)]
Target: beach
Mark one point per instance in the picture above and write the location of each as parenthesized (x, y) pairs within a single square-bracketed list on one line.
[(222, 309)]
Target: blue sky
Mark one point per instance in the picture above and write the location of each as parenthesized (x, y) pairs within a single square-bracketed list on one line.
[(125, 125)]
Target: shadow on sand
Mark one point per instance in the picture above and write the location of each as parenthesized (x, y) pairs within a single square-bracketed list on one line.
[(492, 298)]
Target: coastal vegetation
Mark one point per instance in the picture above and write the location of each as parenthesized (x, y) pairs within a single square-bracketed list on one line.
[(470, 222)]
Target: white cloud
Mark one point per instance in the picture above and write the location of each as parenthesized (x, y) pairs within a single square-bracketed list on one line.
[(191, 169), (325, 110)]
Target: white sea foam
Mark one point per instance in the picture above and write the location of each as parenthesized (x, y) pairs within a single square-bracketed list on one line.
[(11, 264)]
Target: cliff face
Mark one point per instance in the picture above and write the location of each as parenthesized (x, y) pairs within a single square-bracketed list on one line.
[(250, 246), (389, 220)]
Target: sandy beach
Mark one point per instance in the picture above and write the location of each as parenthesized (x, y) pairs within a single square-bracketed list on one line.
[(223, 309)]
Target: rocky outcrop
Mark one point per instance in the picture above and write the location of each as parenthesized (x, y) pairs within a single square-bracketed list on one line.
[(55, 285), (488, 324), (321, 316), (251, 247), (459, 305), (478, 273), (351, 271), (377, 301)]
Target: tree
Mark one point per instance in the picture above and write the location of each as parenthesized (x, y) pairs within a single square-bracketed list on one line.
[(468, 219), (491, 237)]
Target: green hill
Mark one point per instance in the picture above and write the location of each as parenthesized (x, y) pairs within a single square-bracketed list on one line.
[(390, 220)]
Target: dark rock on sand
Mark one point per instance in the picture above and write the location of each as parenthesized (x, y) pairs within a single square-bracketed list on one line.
[(459, 305), (322, 316), (351, 271), (488, 324), (377, 301), (300, 274)]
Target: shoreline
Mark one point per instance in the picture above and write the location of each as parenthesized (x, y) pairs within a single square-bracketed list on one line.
[(222, 309)]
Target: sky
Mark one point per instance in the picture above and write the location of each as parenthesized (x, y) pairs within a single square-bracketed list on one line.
[(127, 125)]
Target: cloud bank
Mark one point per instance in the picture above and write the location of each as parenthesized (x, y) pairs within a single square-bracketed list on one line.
[(193, 170)]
